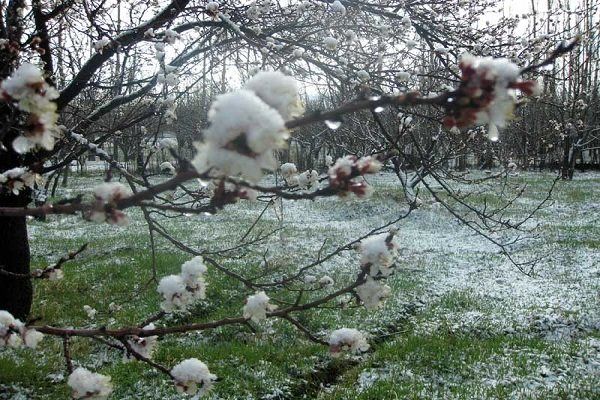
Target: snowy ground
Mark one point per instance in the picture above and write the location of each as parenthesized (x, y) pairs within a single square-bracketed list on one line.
[(463, 322)]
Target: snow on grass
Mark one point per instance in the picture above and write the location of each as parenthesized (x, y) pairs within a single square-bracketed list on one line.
[(478, 327)]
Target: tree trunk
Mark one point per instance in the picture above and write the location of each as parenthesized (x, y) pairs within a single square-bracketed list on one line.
[(566, 161), (16, 294)]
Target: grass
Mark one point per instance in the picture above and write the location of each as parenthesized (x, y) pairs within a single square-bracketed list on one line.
[(462, 322)]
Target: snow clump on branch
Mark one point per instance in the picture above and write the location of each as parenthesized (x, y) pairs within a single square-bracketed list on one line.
[(27, 88)]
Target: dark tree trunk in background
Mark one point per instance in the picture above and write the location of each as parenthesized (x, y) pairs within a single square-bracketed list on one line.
[(15, 293), (566, 162)]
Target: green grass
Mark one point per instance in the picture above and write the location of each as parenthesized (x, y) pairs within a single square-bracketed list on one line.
[(418, 352)]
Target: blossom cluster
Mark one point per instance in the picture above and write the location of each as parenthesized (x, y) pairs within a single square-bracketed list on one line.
[(324, 282), (144, 346), (223, 193), (89, 385), (246, 125), (180, 291), (345, 175), (304, 180), (378, 254), (487, 93), (27, 88), (17, 179), (372, 293), (256, 307), (192, 377), (93, 147), (52, 272), (106, 195), (14, 333), (347, 339)]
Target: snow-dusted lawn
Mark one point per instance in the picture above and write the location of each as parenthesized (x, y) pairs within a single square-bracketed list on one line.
[(462, 322)]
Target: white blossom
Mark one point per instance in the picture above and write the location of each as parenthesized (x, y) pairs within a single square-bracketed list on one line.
[(192, 376), (179, 291), (174, 292), (109, 193), (167, 166), (368, 165), (247, 193), (212, 6), (241, 138), (298, 52), (100, 44), (256, 307), (278, 91), (27, 87), (90, 311), (379, 253), (350, 36), (363, 75), (338, 7), (326, 280), (347, 339), (144, 346), (16, 179), (500, 95), (11, 330), (372, 293), (307, 179), (171, 36), (55, 274), (89, 385), (192, 273), (403, 76), (288, 171), (31, 338), (330, 43)]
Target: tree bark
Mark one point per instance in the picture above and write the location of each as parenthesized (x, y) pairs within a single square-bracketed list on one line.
[(16, 294)]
